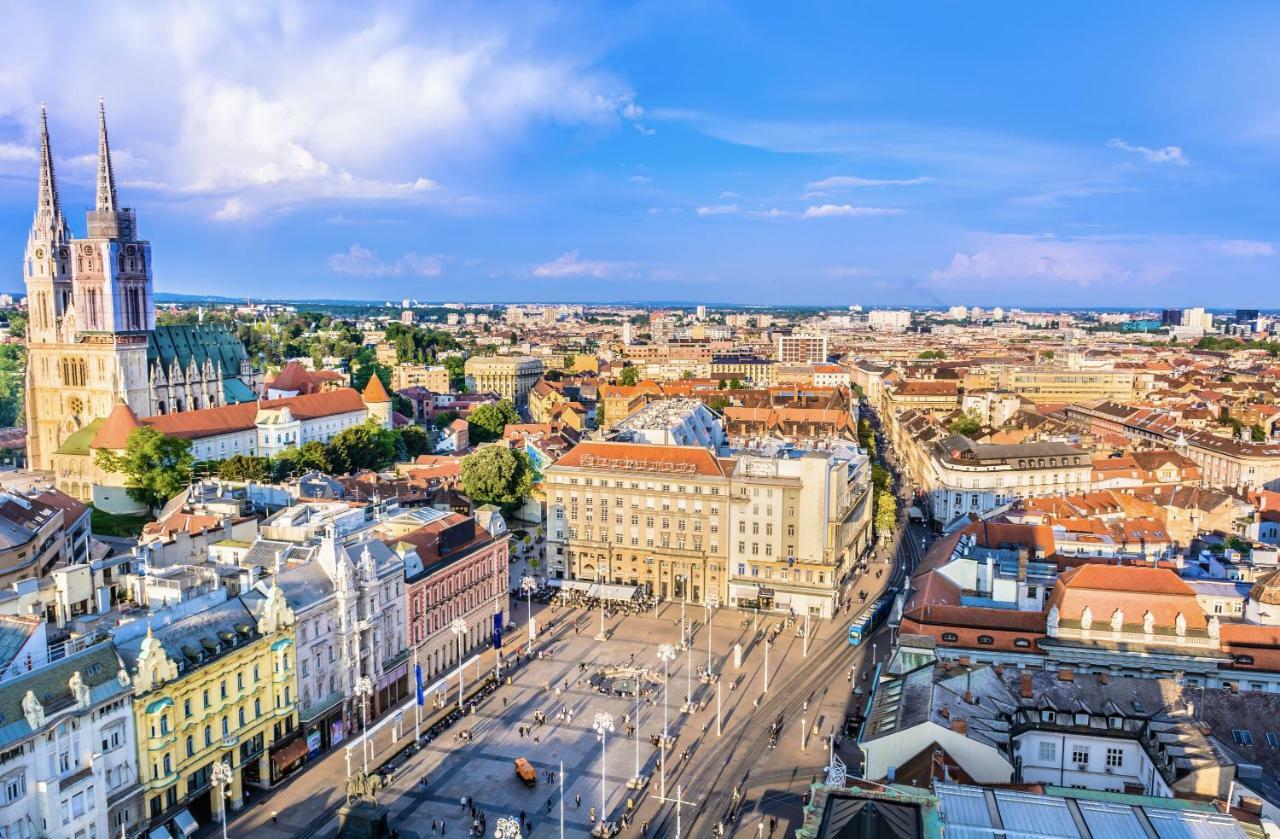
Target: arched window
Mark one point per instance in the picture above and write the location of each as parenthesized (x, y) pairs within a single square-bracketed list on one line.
[(950, 637), (986, 640)]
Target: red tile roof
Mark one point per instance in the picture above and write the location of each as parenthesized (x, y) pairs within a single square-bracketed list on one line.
[(374, 392), (228, 419), (644, 458), (114, 433)]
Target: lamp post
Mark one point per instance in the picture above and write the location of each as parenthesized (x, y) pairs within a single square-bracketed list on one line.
[(507, 828), (603, 727), (222, 777), (527, 585), (712, 603), (766, 665), (364, 689), (459, 629), (806, 633), (666, 653), (636, 781)]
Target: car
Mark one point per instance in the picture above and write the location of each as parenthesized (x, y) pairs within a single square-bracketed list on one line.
[(525, 772)]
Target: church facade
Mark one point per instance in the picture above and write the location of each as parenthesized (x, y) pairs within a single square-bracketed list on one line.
[(92, 340)]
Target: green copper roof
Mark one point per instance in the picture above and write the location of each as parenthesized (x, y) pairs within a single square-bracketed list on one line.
[(78, 443), (187, 341), (236, 391)]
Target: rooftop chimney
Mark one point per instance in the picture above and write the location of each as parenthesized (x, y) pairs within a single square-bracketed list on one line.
[(960, 726), (1066, 674), (1025, 689)]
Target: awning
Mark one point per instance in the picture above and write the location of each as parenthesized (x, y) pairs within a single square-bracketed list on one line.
[(185, 822), (741, 592), (160, 832), (290, 753), (576, 585), (609, 591)]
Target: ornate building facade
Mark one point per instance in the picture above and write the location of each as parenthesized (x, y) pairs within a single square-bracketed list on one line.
[(92, 339)]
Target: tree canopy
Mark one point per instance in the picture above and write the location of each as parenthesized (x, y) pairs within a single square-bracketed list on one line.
[(497, 475), (155, 467), (364, 446), (968, 425), (629, 376), (486, 423)]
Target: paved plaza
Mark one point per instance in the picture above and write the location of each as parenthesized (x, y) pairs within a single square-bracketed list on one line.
[(482, 769)]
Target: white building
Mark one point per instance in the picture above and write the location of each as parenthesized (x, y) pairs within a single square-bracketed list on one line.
[(967, 477), (674, 422), (68, 753), (886, 320)]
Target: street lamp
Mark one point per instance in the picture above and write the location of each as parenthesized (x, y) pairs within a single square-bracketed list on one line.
[(666, 653), (603, 727), (527, 585), (364, 689), (507, 828), (459, 629), (712, 603), (222, 777), (766, 663)]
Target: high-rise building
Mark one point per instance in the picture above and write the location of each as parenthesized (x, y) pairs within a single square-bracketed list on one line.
[(92, 339), (1171, 317), (702, 313), (801, 349)]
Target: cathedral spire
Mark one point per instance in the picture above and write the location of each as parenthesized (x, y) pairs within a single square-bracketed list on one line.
[(48, 206), (106, 175)]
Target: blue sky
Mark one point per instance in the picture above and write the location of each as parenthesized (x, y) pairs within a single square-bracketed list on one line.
[(827, 153)]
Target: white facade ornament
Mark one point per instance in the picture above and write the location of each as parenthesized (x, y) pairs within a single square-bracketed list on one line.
[(1086, 618), (1214, 626), (1148, 622), (276, 614), (33, 710), (1117, 620), (154, 666), (368, 569), (1051, 623), (123, 678), (1180, 624), (79, 690)]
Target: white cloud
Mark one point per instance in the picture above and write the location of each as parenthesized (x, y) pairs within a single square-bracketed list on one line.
[(1045, 258), (847, 181), (360, 261), (837, 210), (569, 264), (1244, 247), (14, 153), (640, 179), (1167, 154), (718, 210), (279, 105), (233, 209)]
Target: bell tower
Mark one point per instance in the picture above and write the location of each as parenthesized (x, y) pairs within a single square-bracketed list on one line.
[(91, 309)]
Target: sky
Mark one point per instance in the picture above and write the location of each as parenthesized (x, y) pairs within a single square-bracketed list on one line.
[(832, 154)]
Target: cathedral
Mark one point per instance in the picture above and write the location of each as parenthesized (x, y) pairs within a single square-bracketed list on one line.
[(92, 339)]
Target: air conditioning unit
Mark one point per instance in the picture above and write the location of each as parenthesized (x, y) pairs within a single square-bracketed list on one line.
[(1083, 767), (1110, 770)]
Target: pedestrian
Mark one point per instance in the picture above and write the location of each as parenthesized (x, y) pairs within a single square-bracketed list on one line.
[(442, 827), (434, 824), (275, 817), (548, 804), (522, 814), (504, 702), (591, 815), (577, 800), (773, 824), (644, 828), (462, 802)]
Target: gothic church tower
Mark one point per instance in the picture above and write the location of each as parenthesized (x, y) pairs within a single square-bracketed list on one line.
[(91, 307)]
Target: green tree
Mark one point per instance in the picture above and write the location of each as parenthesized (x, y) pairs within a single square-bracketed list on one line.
[(931, 354), (1257, 433), (155, 467), (968, 425), (443, 419), (12, 364), (455, 364), (415, 439), (364, 446), (497, 475), (867, 436), (629, 376), (886, 513), (366, 370), (880, 478), (240, 467), (486, 423), (735, 384)]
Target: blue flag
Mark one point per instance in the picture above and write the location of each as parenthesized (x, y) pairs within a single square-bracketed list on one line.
[(417, 674)]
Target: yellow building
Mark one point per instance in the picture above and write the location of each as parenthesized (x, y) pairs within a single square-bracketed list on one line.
[(217, 686)]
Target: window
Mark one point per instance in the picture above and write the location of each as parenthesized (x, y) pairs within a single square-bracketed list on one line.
[(15, 786), (1115, 757), (1021, 642), (1272, 740), (1242, 737), (950, 637), (1080, 755), (1048, 751), (986, 640)]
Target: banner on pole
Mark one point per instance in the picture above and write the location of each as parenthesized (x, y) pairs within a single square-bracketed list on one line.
[(417, 674), (497, 630)]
